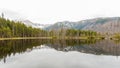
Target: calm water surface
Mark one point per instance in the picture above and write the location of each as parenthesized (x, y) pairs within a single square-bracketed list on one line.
[(59, 54)]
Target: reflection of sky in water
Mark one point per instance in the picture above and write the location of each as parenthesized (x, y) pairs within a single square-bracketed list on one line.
[(50, 58)]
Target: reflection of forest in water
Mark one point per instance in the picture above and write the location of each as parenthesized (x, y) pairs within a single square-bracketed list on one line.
[(106, 47), (97, 47)]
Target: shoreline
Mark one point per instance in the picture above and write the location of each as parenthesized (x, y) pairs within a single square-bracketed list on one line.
[(20, 38)]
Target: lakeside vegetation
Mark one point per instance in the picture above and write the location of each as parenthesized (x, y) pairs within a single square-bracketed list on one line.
[(17, 30)]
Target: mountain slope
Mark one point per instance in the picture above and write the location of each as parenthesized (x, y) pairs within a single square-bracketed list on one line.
[(35, 25), (103, 25), (60, 25)]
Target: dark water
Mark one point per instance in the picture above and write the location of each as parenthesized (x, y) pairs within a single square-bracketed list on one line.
[(59, 54)]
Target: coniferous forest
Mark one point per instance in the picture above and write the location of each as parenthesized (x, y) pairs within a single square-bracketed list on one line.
[(10, 29)]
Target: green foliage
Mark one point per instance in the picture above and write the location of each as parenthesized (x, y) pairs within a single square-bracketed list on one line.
[(78, 33), (17, 29)]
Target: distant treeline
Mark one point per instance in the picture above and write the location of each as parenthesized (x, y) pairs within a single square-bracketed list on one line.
[(73, 33), (10, 28)]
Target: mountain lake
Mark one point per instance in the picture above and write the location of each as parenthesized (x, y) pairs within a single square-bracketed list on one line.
[(59, 53)]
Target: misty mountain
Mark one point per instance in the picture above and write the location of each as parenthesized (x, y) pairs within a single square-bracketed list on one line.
[(11, 15), (34, 25), (103, 25)]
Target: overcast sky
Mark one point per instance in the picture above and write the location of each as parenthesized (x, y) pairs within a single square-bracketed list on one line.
[(51, 11)]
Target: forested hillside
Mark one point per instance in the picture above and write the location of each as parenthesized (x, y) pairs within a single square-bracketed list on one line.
[(10, 28), (17, 29), (109, 25)]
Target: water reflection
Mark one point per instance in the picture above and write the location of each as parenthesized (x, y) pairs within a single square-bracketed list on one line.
[(103, 47), (96, 47)]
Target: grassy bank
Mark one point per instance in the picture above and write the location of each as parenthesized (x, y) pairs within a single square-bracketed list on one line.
[(15, 38), (84, 38)]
